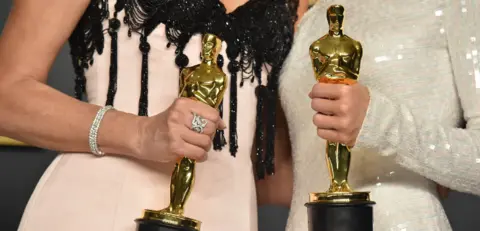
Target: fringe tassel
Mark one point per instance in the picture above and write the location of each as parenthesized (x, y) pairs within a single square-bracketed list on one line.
[(114, 26), (87, 38), (266, 123), (233, 138), (143, 102), (261, 92), (259, 161), (80, 80), (233, 68), (219, 140), (272, 96)]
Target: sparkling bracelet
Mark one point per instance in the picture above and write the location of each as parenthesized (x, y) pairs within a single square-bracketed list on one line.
[(92, 137)]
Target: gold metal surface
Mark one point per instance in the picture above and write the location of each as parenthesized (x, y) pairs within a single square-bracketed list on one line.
[(5, 141), (336, 59), (340, 197), (207, 83)]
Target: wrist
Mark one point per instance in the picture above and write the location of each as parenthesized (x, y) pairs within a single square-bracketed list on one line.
[(138, 137), (119, 133)]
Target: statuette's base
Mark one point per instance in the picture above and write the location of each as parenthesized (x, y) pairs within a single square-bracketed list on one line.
[(165, 221), (349, 211)]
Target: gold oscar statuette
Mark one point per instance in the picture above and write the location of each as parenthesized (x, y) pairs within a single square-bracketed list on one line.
[(207, 83), (5, 141), (336, 60)]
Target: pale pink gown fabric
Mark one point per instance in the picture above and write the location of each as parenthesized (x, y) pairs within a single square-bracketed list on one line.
[(80, 192)]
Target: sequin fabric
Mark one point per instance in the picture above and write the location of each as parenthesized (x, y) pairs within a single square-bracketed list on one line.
[(423, 123)]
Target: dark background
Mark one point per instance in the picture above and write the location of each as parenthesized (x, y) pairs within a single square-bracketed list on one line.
[(20, 169)]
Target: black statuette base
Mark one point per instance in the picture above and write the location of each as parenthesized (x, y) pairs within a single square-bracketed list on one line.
[(324, 216), (154, 225)]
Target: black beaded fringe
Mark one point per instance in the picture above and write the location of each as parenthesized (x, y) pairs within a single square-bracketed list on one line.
[(86, 38), (143, 101), (271, 98), (80, 80), (113, 27), (219, 140), (257, 34), (233, 67)]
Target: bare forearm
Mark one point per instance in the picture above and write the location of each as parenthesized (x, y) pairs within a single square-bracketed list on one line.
[(37, 114)]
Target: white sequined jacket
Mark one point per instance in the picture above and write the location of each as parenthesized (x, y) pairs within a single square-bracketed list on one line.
[(421, 64)]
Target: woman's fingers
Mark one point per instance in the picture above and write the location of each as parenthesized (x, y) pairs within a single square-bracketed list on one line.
[(200, 140)]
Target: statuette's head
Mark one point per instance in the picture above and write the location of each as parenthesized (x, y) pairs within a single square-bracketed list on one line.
[(211, 46), (335, 18)]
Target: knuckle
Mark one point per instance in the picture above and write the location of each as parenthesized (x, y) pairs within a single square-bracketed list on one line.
[(217, 116), (180, 103), (345, 90), (344, 108), (210, 130), (214, 115), (176, 148), (208, 143), (173, 117)]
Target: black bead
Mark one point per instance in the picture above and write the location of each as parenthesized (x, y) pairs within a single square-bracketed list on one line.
[(144, 47), (220, 61), (181, 60), (233, 66), (114, 24)]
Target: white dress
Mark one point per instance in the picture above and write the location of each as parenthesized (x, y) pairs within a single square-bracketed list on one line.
[(421, 66)]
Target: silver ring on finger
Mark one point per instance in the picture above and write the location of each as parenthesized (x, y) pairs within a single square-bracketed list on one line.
[(198, 123)]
